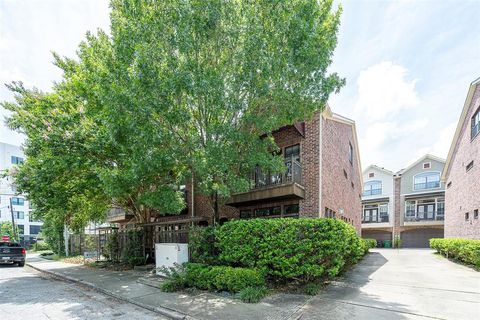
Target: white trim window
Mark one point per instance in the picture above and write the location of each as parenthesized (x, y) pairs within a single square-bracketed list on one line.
[(426, 180), (372, 188), (476, 124), (373, 213), (425, 209)]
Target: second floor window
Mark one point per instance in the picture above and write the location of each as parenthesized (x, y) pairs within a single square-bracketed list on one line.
[(18, 214), (292, 153), (17, 160), (426, 180), (372, 188), (476, 124), (18, 201), (350, 153)]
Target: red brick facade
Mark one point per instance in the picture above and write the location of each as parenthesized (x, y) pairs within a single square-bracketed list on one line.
[(462, 194), (341, 179), (323, 142)]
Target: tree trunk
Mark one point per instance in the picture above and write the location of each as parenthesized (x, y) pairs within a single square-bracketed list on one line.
[(216, 214)]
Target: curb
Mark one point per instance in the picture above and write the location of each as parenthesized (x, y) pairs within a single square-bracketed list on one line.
[(167, 312)]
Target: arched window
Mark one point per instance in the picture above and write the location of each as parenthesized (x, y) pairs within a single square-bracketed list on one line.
[(372, 188), (426, 180)]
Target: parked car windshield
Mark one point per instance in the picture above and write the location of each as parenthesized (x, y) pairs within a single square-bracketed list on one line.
[(9, 244)]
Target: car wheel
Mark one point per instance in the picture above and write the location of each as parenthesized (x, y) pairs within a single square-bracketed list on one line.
[(21, 264)]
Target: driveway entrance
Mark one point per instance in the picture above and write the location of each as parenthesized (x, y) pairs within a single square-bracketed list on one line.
[(400, 284)]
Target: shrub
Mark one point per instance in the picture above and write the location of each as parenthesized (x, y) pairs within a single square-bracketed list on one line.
[(370, 243), (253, 294), (467, 251), (283, 249), (41, 246), (201, 243), (133, 251), (176, 279), (397, 242), (311, 289), (221, 277)]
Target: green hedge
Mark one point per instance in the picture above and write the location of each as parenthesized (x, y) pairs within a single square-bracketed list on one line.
[(370, 243), (302, 249), (222, 278), (467, 251)]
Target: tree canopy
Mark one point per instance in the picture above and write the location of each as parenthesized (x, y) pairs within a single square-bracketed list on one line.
[(179, 89)]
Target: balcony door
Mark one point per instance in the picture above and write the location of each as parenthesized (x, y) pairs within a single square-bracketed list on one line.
[(426, 211)]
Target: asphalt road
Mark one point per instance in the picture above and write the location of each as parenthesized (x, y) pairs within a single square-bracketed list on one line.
[(27, 294)]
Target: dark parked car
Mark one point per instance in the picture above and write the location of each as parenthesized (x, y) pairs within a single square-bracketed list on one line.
[(12, 252)]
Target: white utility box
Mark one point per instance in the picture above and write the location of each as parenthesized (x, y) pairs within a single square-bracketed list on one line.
[(170, 254)]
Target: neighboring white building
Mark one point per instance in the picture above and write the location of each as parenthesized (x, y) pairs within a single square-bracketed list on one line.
[(22, 209)]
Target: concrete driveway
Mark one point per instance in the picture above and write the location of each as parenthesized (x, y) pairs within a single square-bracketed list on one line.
[(400, 284)]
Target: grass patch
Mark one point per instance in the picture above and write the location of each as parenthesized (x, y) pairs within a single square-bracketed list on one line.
[(253, 294)]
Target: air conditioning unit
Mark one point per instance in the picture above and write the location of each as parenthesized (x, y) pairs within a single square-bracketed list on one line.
[(169, 255)]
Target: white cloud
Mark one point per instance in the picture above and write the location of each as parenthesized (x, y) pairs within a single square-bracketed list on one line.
[(383, 90)]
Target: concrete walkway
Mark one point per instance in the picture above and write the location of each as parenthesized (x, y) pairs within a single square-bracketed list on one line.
[(400, 284), (387, 284)]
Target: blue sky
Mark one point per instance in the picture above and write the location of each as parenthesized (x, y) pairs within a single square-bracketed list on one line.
[(408, 65)]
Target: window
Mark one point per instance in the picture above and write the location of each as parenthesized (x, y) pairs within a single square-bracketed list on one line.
[(292, 209), (35, 229), (21, 228), (18, 214), (372, 188), (475, 214), (353, 185), (476, 124), (329, 213), (426, 180), (371, 175), (466, 216), (345, 174), (245, 214), (264, 212), (410, 210), (449, 184), (427, 165), (292, 153), (350, 152), (469, 166), (18, 201), (17, 160), (383, 212), (375, 213)]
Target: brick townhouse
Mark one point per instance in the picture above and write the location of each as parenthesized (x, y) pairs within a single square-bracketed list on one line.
[(322, 179), (409, 204), (462, 172)]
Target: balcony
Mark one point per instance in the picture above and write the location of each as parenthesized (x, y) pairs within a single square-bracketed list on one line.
[(118, 215), (379, 220), (268, 186), (427, 185), (435, 217)]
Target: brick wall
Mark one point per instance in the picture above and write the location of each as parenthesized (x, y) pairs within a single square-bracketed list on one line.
[(463, 195), (397, 181), (310, 153), (340, 191)]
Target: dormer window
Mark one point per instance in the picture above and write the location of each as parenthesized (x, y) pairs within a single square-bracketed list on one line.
[(372, 188), (426, 180)]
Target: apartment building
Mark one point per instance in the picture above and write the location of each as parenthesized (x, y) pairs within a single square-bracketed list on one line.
[(21, 207), (462, 172), (322, 179), (377, 203), (409, 204)]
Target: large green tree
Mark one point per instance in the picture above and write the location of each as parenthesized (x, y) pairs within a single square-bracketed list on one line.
[(182, 89)]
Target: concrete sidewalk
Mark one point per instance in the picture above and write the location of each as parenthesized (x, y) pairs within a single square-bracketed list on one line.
[(386, 284), (131, 286)]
